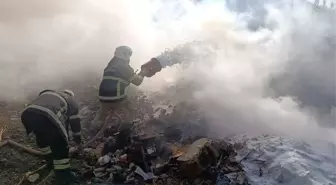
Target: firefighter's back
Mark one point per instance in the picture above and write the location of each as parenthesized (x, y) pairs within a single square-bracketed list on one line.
[(49, 104)]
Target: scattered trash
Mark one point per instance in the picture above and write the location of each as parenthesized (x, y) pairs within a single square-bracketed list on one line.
[(157, 151), (145, 176), (200, 156), (104, 159), (33, 177), (168, 149), (99, 172), (152, 159)]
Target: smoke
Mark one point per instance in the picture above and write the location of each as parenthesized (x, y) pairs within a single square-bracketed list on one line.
[(261, 76), (253, 75), (45, 44)]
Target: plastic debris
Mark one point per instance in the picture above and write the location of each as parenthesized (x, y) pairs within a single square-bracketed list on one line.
[(33, 177), (104, 160), (134, 155), (144, 175)]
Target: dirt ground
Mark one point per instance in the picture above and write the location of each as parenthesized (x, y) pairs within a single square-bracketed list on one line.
[(13, 162)]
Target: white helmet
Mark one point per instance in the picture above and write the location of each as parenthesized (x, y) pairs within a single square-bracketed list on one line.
[(46, 90), (123, 52), (69, 92)]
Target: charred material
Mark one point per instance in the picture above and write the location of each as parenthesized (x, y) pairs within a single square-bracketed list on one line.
[(171, 148)]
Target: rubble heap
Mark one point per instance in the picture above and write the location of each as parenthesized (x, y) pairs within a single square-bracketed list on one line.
[(170, 149)]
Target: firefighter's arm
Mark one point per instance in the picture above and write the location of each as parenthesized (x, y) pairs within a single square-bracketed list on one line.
[(131, 76), (136, 79), (74, 121)]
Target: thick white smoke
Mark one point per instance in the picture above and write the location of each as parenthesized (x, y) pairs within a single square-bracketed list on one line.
[(234, 83), (46, 44)]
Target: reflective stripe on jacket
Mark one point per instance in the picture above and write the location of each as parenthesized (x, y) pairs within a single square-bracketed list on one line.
[(59, 108), (119, 88), (117, 77)]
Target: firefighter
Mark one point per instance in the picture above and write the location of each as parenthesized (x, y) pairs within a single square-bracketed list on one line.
[(118, 75), (49, 117)]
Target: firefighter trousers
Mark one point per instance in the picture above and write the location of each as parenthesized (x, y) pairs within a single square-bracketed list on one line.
[(108, 107), (50, 141)]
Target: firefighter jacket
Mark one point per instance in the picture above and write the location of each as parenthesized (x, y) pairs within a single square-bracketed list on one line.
[(117, 77), (61, 109)]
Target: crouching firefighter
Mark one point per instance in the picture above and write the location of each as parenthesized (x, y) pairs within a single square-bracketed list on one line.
[(118, 75), (49, 117)]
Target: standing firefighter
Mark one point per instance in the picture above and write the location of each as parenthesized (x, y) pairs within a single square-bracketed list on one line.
[(118, 75), (49, 117)]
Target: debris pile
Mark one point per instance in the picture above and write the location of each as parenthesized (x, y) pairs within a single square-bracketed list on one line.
[(146, 145), (160, 151)]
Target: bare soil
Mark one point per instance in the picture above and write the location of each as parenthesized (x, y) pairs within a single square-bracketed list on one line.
[(13, 162)]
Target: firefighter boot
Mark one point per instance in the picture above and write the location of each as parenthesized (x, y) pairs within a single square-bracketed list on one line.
[(65, 177), (49, 161)]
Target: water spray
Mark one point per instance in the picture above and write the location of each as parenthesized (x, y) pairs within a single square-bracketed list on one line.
[(184, 53)]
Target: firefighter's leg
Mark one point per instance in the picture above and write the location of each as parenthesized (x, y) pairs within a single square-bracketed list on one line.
[(38, 124), (102, 113), (61, 161), (123, 109), (27, 119), (117, 110), (43, 143)]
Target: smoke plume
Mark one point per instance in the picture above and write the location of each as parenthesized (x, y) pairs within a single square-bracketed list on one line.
[(264, 68)]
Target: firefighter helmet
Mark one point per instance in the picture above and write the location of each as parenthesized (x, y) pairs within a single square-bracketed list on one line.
[(123, 52), (69, 92)]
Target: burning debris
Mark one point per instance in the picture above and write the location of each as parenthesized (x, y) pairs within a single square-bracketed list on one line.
[(158, 152), (141, 162), (170, 148)]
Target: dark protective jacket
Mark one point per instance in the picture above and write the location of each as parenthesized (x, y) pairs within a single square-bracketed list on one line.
[(61, 109), (117, 77)]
